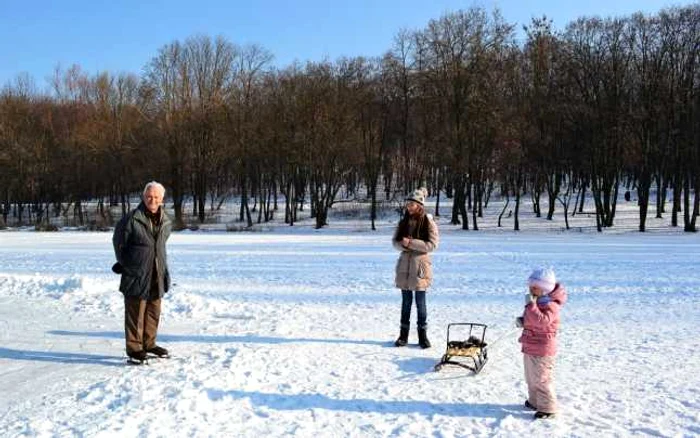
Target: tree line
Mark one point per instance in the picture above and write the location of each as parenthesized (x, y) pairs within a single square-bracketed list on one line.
[(459, 106)]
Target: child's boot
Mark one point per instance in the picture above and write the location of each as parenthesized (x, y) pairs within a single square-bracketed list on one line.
[(539, 415)]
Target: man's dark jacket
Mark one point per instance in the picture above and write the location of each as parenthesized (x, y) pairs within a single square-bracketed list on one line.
[(140, 249)]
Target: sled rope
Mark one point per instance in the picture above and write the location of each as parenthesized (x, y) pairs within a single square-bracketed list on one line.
[(505, 335)]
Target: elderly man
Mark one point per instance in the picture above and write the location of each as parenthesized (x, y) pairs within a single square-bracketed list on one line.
[(139, 244)]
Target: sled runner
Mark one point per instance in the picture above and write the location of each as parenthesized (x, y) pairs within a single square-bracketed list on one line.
[(469, 353)]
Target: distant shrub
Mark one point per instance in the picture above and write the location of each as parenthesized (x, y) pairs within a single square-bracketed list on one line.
[(45, 227), (180, 225), (100, 223), (95, 226), (239, 228)]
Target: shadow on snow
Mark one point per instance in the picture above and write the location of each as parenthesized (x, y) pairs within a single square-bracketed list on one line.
[(317, 401), (253, 339), (68, 358)]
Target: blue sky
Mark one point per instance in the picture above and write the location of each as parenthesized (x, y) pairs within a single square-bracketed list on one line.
[(122, 36)]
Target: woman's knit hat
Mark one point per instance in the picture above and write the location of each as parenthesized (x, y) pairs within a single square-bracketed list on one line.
[(418, 196), (543, 278)]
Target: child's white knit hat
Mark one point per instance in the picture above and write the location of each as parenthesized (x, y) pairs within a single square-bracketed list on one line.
[(543, 278)]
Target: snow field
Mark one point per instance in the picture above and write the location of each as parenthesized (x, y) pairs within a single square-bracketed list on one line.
[(290, 334)]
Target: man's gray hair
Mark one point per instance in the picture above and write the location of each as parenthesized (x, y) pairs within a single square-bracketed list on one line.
[(154, 185)]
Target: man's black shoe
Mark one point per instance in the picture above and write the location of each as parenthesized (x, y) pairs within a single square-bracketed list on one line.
[(158, 351), (137, 356)]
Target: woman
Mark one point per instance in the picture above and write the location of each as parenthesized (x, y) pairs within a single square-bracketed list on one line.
[(416, 236)]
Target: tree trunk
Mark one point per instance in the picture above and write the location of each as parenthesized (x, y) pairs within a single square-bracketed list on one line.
[(686, 204), (583, 198), (643, 188), (677, 189), (505, 206)]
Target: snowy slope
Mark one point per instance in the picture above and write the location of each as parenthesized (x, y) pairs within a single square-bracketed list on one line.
[(290, 334)]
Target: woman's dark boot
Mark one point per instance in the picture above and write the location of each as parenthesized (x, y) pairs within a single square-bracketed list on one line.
[(423, 339), (403, 338)]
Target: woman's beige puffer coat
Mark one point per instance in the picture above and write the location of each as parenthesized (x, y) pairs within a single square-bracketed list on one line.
[(414, 269)]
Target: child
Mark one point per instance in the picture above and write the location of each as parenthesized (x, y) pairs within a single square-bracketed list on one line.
[(540, 322)]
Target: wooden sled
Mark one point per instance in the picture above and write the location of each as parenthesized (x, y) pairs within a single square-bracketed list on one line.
[(469, 352)]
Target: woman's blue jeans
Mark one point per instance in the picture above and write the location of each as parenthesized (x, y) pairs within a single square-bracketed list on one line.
[(407, 303)]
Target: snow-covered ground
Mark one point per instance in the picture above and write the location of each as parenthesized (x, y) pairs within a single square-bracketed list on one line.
[(289, 333)]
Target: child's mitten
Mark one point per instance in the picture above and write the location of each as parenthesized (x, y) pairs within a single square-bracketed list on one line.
[(530, 299)]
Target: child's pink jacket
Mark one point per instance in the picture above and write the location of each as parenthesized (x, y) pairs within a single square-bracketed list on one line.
[(540, 324)]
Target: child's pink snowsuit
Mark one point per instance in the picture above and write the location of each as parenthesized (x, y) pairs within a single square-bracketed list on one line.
[(539, 340)]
